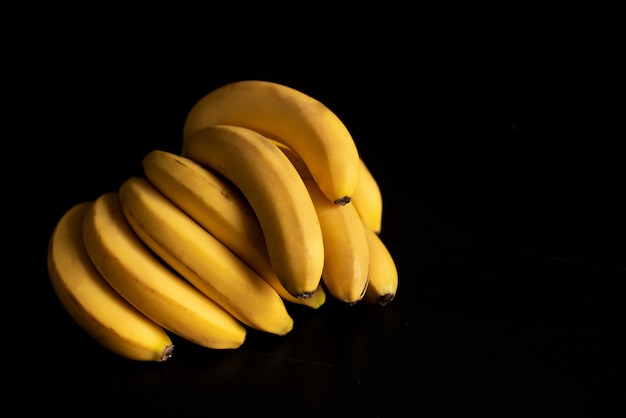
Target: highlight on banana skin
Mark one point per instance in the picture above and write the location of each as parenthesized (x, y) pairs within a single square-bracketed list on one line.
[(267, 205)]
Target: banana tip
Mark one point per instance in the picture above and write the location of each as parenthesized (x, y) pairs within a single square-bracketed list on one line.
[(385, 299), (342, 201), (167, 352), (304, 295)]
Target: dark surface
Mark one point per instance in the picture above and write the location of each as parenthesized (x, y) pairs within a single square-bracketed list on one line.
[(509, 244)]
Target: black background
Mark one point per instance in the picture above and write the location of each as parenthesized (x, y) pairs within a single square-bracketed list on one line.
[(509, 244)]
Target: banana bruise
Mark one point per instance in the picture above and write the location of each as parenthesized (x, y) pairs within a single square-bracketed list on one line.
[(136, 273), (92, 303), (383, 278), (277, 195), (346, 258), (220, 208), (202, 259), (289, 116)]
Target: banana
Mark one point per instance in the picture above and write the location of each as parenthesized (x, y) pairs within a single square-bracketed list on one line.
[(367, 197), (383, 279), (149, 284), (346, 257), (222, 210), (368, 200), (201, 258), (295, 159), (290, 116), (92, 303), (276, 193)]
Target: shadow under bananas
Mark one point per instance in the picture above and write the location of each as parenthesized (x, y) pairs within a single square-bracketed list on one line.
[(325, 347)]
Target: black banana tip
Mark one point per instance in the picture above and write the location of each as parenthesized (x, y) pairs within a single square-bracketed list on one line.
[(342, 201), (385, 299)]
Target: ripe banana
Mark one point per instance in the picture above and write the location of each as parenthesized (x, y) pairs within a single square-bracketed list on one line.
[(346, 252), (277, 195), (383, 283), (368, 200), (290, 116), (201, 258), (148, 283), (92, 303), (367, 197), (222, 210), (295, 159)]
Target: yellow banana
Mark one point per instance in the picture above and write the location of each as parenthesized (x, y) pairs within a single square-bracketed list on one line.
[(383, 283), (149, 284), (367, 197), (295, 159), (368, 200), (222, 210), (277, 195), (91, 301), (346, 252), (201, 258), (290, 116)]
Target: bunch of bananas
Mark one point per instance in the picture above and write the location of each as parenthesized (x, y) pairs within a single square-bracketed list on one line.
[(268, 203)]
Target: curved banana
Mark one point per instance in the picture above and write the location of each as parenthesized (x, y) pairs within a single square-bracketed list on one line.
[(148, 284), (368, 199), (92, 303), (346, 258), (222, 210), (277, 195), (201, 258), (383, 284), (295, 159), (289, 116)]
